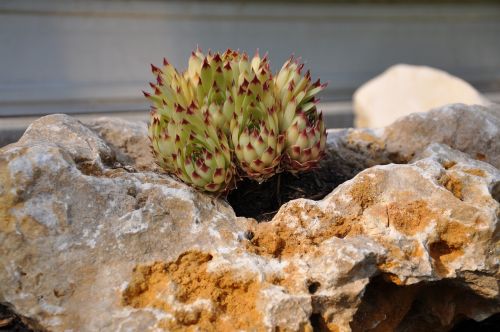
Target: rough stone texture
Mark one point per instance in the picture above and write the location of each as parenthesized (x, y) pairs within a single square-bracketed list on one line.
[(474, 130), (404, 89), (471, 129), (129, 141), (93, 238), (73, 227)]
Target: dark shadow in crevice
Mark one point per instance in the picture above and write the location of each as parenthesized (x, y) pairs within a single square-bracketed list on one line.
[(313, 286), (318, 324), (495, 191), (491, 324), (436, 306), (12, 322), (262, 201)]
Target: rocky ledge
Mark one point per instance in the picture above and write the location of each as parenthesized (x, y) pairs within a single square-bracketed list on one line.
[(93, 237)]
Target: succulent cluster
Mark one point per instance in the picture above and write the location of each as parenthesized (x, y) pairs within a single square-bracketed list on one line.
[(228, 116)]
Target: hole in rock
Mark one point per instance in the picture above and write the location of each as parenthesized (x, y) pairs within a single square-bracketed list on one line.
[(318, 323), (262, 201), (436, 306), (249, 235), (313, 286)]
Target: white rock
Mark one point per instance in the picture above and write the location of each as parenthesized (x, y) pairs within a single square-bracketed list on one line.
[(403, 89)]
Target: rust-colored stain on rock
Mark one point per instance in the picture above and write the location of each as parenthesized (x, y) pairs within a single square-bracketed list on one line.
[(233, 299), (453, 184), (453, 238), (481, 156), (476, 172), (448, 164), (6, 199), (410, 218), (278, 239), (365, 190), (358, 137)]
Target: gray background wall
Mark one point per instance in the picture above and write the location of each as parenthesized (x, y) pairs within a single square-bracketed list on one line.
[(89, 56)]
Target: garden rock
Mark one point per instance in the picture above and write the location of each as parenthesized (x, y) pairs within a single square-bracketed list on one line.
[(94, 237)]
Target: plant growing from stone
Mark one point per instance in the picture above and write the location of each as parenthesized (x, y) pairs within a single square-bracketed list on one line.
[(227, 117)]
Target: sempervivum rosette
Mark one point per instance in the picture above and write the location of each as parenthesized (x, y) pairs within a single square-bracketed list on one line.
[(300, 121), (258, 145), (305, 141), (226, 116), (254, 127), (203, 156), (185, 142)]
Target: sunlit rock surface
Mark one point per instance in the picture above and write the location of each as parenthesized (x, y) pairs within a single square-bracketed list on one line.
[(93, 237)]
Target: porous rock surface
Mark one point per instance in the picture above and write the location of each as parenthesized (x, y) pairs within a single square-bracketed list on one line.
[(94, 238), (403, 89)]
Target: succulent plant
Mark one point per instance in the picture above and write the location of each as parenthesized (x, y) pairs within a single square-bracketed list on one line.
[(299, 120), (228, 117)]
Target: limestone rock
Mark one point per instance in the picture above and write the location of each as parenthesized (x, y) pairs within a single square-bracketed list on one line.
[(93, 237), (474, 130), (71, 235), (431, 220), (471, 129), (129, 140), (404, 89)]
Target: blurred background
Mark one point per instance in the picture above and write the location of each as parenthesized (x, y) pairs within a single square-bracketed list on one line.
[(92, 57)]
